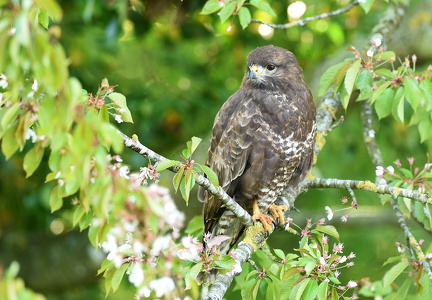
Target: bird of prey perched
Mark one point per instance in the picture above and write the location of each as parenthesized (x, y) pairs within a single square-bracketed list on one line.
[(262, 142)]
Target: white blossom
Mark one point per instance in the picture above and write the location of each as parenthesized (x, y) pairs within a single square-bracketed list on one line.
[(162, 286), (329, 213), (3, 81), (136, 276), (144, 292), (379, 171), (351, 284), (124, 171), (159, 244)]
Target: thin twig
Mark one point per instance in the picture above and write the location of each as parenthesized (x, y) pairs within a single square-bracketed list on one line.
[(304, 21)]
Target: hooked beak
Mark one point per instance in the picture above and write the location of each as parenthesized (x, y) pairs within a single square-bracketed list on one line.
[(256, 73), (253, 72)]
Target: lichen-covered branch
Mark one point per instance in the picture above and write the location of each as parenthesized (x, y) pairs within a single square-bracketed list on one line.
[(232, 205), (395, 192), (304, 21), (255, 238)]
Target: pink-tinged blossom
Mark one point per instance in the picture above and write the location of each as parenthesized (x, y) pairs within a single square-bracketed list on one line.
[(336, 274), (351, 284), (414, 58), (305, 232), (344, 200), (351, 255), (324, 240), (350, 264), (162, 286), (337, 248), (321, 222), (391, 170), (330, 212), (344, 218), (136, 276), (354, 204), (397, 163), (411, 161)]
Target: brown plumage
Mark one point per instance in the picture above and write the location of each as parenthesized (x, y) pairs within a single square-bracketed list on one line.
[(262, 141)]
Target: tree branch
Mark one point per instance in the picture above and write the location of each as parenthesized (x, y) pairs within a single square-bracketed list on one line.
[(304, 21), (395, 192), (383, 33), (201, 180)]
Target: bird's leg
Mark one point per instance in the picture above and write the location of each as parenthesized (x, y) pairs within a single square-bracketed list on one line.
[(259, 216), (277, 211)]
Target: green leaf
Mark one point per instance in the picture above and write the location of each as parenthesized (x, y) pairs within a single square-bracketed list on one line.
[(279, 253), (424, 128), (210, 7), (425, 290), (52, 8), (364, 82), (385, 73), (33, 159), (186, 153), (393, 273), (244, 17), (351, 76), (331, 76), (55, 200), (426, 87), (264, 6), (398, 105), (322, 290), (177, 178), (297, 291), (366, 5), (413, 94), (403, 290), (195, 226), (120, 101), (383, 104), (191, 275), (118, 275), (211, 175), (10, 115), (379, 90), (78, 214), (329, 230), (193, 144), (385, 55), (165, 164), (311, 290), (226, 262), (9, 142), (227, 11)]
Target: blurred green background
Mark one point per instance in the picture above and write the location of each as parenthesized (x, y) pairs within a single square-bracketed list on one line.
[(176, 67)]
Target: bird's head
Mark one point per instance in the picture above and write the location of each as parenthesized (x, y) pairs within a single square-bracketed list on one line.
[(271, 66)]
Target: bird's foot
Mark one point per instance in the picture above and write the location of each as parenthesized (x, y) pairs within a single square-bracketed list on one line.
[(277, 211), (257, 215)]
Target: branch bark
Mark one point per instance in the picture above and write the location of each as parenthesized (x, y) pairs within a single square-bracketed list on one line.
[(304, 21)]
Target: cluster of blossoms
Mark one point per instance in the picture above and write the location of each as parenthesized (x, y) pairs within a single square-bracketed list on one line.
[(414, 177), (145, 236), (344, 218)]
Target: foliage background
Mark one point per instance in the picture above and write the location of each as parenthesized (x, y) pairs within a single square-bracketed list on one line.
[(176, 68)]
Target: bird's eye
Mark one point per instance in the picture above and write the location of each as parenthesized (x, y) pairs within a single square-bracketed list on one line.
[(270, 67)]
